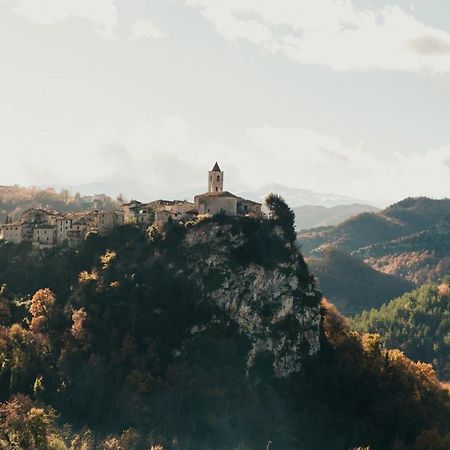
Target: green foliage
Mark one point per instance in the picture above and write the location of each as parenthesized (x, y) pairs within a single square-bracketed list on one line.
[(388, 399), (124, 339), (283, 215), (417, 323)]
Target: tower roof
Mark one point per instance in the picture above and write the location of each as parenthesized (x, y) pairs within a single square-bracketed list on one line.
[(216, 168)]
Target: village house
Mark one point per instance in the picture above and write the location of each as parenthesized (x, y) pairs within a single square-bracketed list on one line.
[(12, 232), (218, 201), (48, 228), (158, 212), (44, 236), (107, 220)]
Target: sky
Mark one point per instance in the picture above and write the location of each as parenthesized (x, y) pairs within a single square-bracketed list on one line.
[(340, 96)]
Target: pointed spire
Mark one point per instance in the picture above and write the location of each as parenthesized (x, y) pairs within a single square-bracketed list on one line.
[(216, 168)]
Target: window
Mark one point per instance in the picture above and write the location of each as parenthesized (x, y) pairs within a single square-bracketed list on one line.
[(217, 189), (218, 177)]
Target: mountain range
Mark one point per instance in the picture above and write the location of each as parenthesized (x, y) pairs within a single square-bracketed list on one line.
[(133, 189), (408, 241), (314, 216)]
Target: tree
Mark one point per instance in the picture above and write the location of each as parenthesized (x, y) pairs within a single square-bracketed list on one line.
[(22, 425), (282, 214), (41, 308)]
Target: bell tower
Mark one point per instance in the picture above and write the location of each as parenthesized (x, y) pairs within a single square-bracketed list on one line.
[(215, 179)]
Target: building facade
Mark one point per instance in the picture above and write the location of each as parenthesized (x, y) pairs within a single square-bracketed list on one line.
[(47, 228), (218, 201)]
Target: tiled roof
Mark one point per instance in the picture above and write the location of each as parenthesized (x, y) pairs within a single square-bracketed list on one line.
[(218, 194), (249, 202)]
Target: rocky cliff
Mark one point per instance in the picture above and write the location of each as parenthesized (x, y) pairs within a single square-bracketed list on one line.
[(275, 304)]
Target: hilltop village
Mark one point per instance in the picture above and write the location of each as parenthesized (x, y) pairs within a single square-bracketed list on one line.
[(49, 228)]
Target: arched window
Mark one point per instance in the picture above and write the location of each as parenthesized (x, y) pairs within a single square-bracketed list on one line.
[(217, 188), (218, 177)]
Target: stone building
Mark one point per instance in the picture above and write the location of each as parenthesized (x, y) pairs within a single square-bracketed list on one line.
[(48, 228), (218, 201), (73, 228), (13, 232), (138, 213), (44, 236), (157, 212), (106, 220)]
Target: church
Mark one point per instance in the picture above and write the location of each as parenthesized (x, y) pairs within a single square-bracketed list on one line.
[(218, 201)]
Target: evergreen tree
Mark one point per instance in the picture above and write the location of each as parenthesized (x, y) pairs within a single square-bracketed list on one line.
[(280, 212)]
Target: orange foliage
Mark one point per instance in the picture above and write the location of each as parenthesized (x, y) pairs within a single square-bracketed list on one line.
[(42, 302)]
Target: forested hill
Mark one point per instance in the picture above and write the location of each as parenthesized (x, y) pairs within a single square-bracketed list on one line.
[(407, 217), (206, 336), (417, 322), (15, 199), (342, 278), (313, 216)]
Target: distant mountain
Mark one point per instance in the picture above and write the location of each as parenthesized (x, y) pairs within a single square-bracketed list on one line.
[(420, 257), (133, 189), (409, 216), (300, 197), (342, 278), (410, 239), (313, 216)]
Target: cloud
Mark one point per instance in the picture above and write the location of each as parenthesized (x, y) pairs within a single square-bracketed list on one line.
[(102, 14), (332, 33), (146, 29), (167, 158), (430, 45), (316, 161)]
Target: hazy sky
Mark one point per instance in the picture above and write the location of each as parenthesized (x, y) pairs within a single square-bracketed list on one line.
[(350, 97)]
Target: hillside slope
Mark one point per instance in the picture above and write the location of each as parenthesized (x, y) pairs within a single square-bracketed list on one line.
[(209, 336), (420, 257), (417, 323), (342, 278), (313, 216), (409, 216)]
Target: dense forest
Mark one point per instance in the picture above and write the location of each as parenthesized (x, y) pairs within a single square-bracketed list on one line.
[(15, 199), (116, 345), (418, 323)]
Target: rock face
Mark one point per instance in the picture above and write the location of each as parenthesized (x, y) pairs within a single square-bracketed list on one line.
[(271, 297)]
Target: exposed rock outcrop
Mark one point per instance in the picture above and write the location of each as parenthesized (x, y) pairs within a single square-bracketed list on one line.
[(275, 304)]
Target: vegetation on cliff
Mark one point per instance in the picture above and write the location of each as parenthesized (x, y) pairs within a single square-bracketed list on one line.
[(204, 336)]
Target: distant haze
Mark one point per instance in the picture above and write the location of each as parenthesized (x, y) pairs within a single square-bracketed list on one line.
[(343, 97)]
